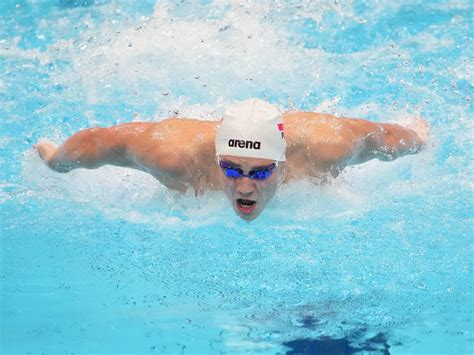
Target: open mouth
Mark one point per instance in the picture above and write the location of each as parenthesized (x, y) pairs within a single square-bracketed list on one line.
[(246, 206)]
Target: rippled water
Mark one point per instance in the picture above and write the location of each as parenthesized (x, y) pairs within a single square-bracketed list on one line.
[(108, 260)]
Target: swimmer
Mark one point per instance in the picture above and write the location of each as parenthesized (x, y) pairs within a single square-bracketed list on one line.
[(247, 154)]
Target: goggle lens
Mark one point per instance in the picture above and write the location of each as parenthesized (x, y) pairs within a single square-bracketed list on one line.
[(233, 173), (257, 174)]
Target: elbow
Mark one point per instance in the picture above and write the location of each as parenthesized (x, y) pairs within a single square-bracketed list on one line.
[(387, 152)]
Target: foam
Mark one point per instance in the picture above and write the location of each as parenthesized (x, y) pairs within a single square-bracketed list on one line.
[(167, 59), (134, 196), (123, 194), (196, 51)]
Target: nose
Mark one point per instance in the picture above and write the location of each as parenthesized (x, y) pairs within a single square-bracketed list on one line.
[(245, 187)]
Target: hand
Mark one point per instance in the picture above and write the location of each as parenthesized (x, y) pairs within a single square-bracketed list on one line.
[(46, 150)]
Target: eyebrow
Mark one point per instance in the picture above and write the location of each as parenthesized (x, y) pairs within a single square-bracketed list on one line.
[(231, 163), (261, 166), (236, 165)]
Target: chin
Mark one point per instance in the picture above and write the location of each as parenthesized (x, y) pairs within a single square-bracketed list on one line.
[(248, 218)]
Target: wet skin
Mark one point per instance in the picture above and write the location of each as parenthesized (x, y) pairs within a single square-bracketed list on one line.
[(249, 197), (180, 153)]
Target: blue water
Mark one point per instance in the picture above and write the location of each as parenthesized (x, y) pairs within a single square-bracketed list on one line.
[(109, 261)]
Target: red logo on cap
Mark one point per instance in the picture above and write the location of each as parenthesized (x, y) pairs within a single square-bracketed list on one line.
[(281, 129)]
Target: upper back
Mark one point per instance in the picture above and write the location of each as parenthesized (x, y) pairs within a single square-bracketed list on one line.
[(184, 149)]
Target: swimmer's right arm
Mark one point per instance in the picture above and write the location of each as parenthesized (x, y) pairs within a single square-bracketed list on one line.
[(91, 148)]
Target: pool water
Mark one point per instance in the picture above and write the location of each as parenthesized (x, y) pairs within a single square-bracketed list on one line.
[(108, 260)]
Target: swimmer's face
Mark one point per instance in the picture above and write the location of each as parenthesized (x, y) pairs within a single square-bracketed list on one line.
[(250, 196)]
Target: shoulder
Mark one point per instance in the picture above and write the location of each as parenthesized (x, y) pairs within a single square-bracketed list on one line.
[(184, 149), (174, 143), (324, 136), (183, 136)]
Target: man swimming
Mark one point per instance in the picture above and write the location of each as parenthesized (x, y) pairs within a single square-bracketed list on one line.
[(247, 154)]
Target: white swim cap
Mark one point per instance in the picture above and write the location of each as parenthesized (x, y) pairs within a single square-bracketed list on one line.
[(252, 128)]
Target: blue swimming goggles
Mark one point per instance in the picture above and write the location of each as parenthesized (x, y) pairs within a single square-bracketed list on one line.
[(258, 174)]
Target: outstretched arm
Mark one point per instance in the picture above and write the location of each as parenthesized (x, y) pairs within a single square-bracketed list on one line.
[(91, 149), (386, 141), (321, 144)]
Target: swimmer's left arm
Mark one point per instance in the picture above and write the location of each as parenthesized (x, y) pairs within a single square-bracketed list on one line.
[(386, 141)]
